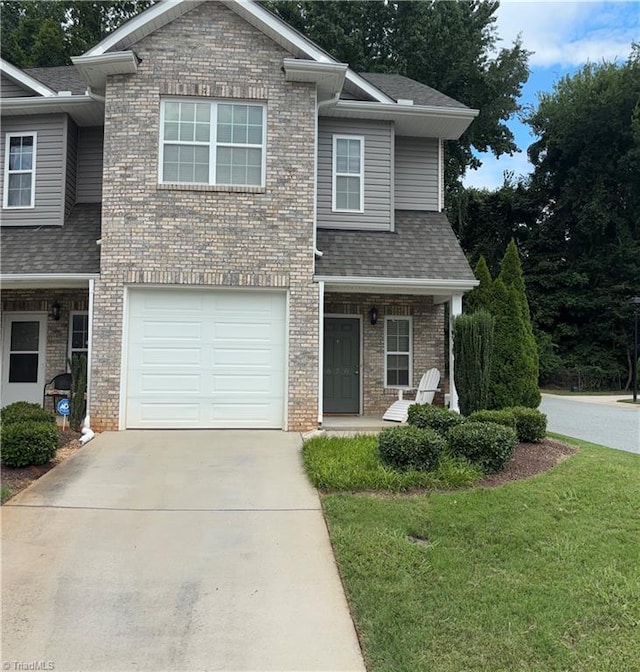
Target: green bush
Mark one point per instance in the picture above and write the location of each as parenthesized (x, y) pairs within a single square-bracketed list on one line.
[(28, 443), (405, 448), (439, 419), (78, 366), (483, 443), (473, 351), (531, 424), (23, 411), (504, 417)]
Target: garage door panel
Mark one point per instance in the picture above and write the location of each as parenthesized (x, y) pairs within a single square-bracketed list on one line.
[(222, 366), (167, 384), (167, 330)]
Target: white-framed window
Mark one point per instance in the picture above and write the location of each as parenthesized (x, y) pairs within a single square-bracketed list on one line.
[(212, 142), (78, 334), (20, 170), (397, 351), (348, 173)]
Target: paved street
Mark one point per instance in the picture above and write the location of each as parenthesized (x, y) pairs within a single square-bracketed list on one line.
[(600, 420)]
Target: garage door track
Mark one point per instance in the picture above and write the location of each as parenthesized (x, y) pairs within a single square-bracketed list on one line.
[(174, 550)]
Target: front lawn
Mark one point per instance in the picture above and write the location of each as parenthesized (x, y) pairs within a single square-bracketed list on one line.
[(537, 575), (352, 463)]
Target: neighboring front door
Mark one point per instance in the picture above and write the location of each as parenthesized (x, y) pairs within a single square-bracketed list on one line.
[(341, 365), (24, 337)]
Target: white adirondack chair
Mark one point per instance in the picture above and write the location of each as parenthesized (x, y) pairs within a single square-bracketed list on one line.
[(399, 410)]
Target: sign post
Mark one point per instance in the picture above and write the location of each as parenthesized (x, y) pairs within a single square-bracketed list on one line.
[(63, 409)]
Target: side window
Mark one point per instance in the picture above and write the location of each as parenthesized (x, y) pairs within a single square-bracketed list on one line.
[(348, 173), (397, 351), (78, 334), (20, 170)]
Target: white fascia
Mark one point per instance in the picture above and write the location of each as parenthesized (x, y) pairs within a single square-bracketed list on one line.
[(440, 285), (94, 69), (461, 113), (166, 10), (26, 80), (328, 77), (54, 103), (40, 280)]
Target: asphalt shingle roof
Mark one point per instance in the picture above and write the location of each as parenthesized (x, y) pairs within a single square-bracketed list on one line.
[(423, 246), (59, 78), (398, 86), (70, 248)]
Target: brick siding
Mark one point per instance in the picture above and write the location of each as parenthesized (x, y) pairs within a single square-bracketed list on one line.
[(157, 235)]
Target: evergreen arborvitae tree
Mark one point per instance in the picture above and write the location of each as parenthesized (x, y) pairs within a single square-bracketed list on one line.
[(480, 297), (513, 278), (473, 352)]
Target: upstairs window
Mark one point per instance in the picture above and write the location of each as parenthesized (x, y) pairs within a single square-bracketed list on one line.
[(348, 173), (212, 143), (19, 170), (397, 339)]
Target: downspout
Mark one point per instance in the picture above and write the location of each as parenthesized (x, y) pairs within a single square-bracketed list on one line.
[(320, 351), (319, 105), (87, 432), (95, 96)]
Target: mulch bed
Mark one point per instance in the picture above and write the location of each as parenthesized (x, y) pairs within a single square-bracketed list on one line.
[(528, 460), (22, 477)]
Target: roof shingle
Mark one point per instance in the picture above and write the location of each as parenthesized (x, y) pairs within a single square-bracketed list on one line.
[(423, 246), (70, 248), (398, 86), (59, 78)]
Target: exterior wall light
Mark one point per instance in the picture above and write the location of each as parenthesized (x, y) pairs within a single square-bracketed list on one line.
[(373, 315), (55, 311)]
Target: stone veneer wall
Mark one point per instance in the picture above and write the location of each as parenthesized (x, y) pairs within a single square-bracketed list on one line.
[(428, 339), (207, 236), (40, 301)]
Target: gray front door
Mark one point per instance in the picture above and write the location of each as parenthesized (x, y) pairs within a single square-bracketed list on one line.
[(341, 365)]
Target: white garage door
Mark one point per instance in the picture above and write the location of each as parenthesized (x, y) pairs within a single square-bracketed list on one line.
[(205, 358)]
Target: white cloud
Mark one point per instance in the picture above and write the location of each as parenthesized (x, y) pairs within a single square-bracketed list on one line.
[(491, 174), (569, 34)]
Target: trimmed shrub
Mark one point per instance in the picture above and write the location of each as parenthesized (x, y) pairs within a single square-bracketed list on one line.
[(28, 443), (23, 411), (78, 367), (473, 351), (405, 448), (504, 417), (483, 443), (531, 424), (439, 419)]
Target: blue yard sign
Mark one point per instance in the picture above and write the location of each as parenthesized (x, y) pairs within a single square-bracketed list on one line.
[(63, 407)]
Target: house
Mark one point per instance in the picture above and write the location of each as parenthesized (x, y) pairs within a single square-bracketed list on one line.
[(235, 228)]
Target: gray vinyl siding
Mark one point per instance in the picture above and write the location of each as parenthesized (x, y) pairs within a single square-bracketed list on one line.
[(416, 173), (72, 161), (50, 170), (10, 89), (89, 185), (378, 192)]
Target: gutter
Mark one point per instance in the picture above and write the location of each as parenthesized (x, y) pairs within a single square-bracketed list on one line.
[(436, 284)]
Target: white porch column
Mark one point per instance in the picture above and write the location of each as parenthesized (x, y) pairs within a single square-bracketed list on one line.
[(455, 309), (320, 349)]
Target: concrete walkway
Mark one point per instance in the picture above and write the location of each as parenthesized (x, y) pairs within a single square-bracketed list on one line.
[(599, 419), (174, 551)]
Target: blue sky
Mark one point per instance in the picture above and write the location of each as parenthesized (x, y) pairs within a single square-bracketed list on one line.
[(563, 36)]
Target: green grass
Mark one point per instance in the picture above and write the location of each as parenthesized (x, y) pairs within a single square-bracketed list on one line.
[(5, 493), (540, 575), (628, 401), (352, 463), (586, 393)]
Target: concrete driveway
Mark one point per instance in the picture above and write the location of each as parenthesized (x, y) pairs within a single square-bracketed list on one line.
[(174, 550)]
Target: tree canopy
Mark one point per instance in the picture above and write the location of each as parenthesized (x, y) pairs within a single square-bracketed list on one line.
[(584, 250), (35, 33), (450, 46)]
